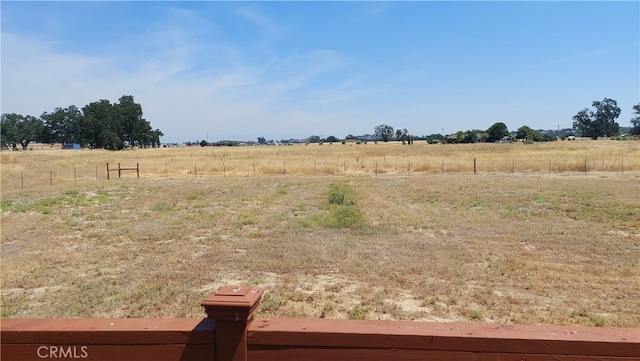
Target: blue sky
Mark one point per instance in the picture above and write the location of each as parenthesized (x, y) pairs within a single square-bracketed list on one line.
[(242, 70)]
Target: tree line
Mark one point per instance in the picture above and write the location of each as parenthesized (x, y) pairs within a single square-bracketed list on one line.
[(600, 121), (100, 124)]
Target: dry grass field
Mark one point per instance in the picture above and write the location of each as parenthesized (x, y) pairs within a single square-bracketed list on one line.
[(375, 231)]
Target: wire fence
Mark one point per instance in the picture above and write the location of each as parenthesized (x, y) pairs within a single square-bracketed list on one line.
[(27, 178)]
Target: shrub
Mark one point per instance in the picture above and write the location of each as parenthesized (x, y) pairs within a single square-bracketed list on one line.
[(476, 315), (597, 320), (358, 313), (342, 210), (343, 216), (341, 194), (271, 303)]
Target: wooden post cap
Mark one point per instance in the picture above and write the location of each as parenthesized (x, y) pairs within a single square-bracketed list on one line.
[(233, 303)]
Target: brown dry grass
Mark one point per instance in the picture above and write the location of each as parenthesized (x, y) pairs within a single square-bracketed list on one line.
[(528, 248), (27, 170)]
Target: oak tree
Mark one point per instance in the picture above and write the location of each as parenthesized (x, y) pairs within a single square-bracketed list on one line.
[(598, 122)]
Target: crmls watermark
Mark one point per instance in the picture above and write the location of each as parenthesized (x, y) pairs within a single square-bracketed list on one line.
[(63, 352)]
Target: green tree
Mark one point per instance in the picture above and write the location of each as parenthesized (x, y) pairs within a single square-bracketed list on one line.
[(600, 122), (16, 128), (9, 129), (332, 139), (527, 133), (383, 132), (635, 121), (154, 138), (474, 136), (62, 125), (97, 127), (404, 136), (314, 139), (114, 126), (134, 128), (99, 124), (497, 131)]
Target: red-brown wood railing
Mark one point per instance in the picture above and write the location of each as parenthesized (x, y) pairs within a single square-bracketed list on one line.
[(230, 333)]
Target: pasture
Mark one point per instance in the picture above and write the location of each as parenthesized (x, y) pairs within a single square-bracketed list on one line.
[(375, 231)]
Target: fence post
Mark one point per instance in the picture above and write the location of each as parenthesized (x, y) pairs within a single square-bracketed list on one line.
[(138, 169), (232, 308), (107, 171), (585, 165), (50, 177), (21, 180), (474, 166)]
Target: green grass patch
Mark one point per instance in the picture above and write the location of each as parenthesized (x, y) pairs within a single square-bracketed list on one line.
[(342, 210), (326, 309), (281, 191), (162, 207), (193, 196), (597, 320), (476, 315), (271, 303), (6, 204), (12, 304), (342, 217), (358, 313), (70, 198), (246, 218), (341, 194)]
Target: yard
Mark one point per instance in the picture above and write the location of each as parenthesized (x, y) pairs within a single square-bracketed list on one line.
[(379, 241)]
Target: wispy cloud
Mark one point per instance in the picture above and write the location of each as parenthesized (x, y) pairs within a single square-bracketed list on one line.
[(296, 70), (166, 82), (377, 8), (573, 57), (239, 70), (351, 90), (261, 20), (33, 69)]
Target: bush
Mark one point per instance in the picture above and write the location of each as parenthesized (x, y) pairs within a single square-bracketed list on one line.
[(358, 313), (343, 216), (341, 194), (342, 210)]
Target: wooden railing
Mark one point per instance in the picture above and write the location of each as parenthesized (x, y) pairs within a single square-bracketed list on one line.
[(230, 332)]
